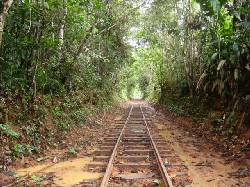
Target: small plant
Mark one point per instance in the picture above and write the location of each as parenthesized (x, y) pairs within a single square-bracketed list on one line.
[(18, 177), (217, 122), (3, 127), (9, 132), (78, 116), (31, 149), (38, 180), (229, 132), (72, 150), (41, 159), (12, 133), (57, 112), (157, 182), (17, 150), (223, 139), (64, 125), (232, 119)]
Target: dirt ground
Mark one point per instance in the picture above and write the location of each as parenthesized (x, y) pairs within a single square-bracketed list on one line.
[(207, 166)]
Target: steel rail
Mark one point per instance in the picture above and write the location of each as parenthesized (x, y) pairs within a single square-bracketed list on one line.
[(106, 176), (162, 168)]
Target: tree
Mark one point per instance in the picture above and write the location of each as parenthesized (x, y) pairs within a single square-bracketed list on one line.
[(4, 7), (203, 44)]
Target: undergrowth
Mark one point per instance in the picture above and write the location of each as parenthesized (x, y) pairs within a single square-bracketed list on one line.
[(227, 121), (28, 131)]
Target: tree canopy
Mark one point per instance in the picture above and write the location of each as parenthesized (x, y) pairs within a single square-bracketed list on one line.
[(92, 52)]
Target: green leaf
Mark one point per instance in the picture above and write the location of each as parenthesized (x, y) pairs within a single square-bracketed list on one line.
[(12, 133), (72, 150), (36, 23), (98, 5), (214, 56), (220, 65), (236, 74), (3, 126), (157, 181), (18, 148), (216, 5), (237, 15), (16, 176), (235, 47), (40, 159), (95, 30), (26, 2), (36, 179), (247, 25), (46, 5), (226, 24)]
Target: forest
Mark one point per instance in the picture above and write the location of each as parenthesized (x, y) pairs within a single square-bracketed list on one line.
[(63, 62)]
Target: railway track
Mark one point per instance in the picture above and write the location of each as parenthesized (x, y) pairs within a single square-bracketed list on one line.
[(134, 154)]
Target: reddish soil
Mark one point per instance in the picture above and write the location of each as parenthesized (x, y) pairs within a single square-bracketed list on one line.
[(208, 163)]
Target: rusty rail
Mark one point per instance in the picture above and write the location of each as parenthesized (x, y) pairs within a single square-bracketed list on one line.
[(164, 173), (106, 176), (166, 179)]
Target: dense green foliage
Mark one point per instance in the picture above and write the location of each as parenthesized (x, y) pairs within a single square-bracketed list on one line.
[(61, 61), (197, 48), (36, 57), (193, 57), (203, 45)]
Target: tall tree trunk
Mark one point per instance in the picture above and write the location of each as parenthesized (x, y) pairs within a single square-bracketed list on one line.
[(201, 64), (62, 24), (190, 51), (36, 59), (4, 7)]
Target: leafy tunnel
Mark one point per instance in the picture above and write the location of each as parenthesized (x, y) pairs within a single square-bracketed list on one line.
[(65, 60)]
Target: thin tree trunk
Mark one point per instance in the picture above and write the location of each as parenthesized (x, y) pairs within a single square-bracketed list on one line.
[(52, 25), (36, 59), (3, 15), (62, 24), (201, 65), (190, 55), (191, 76)]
